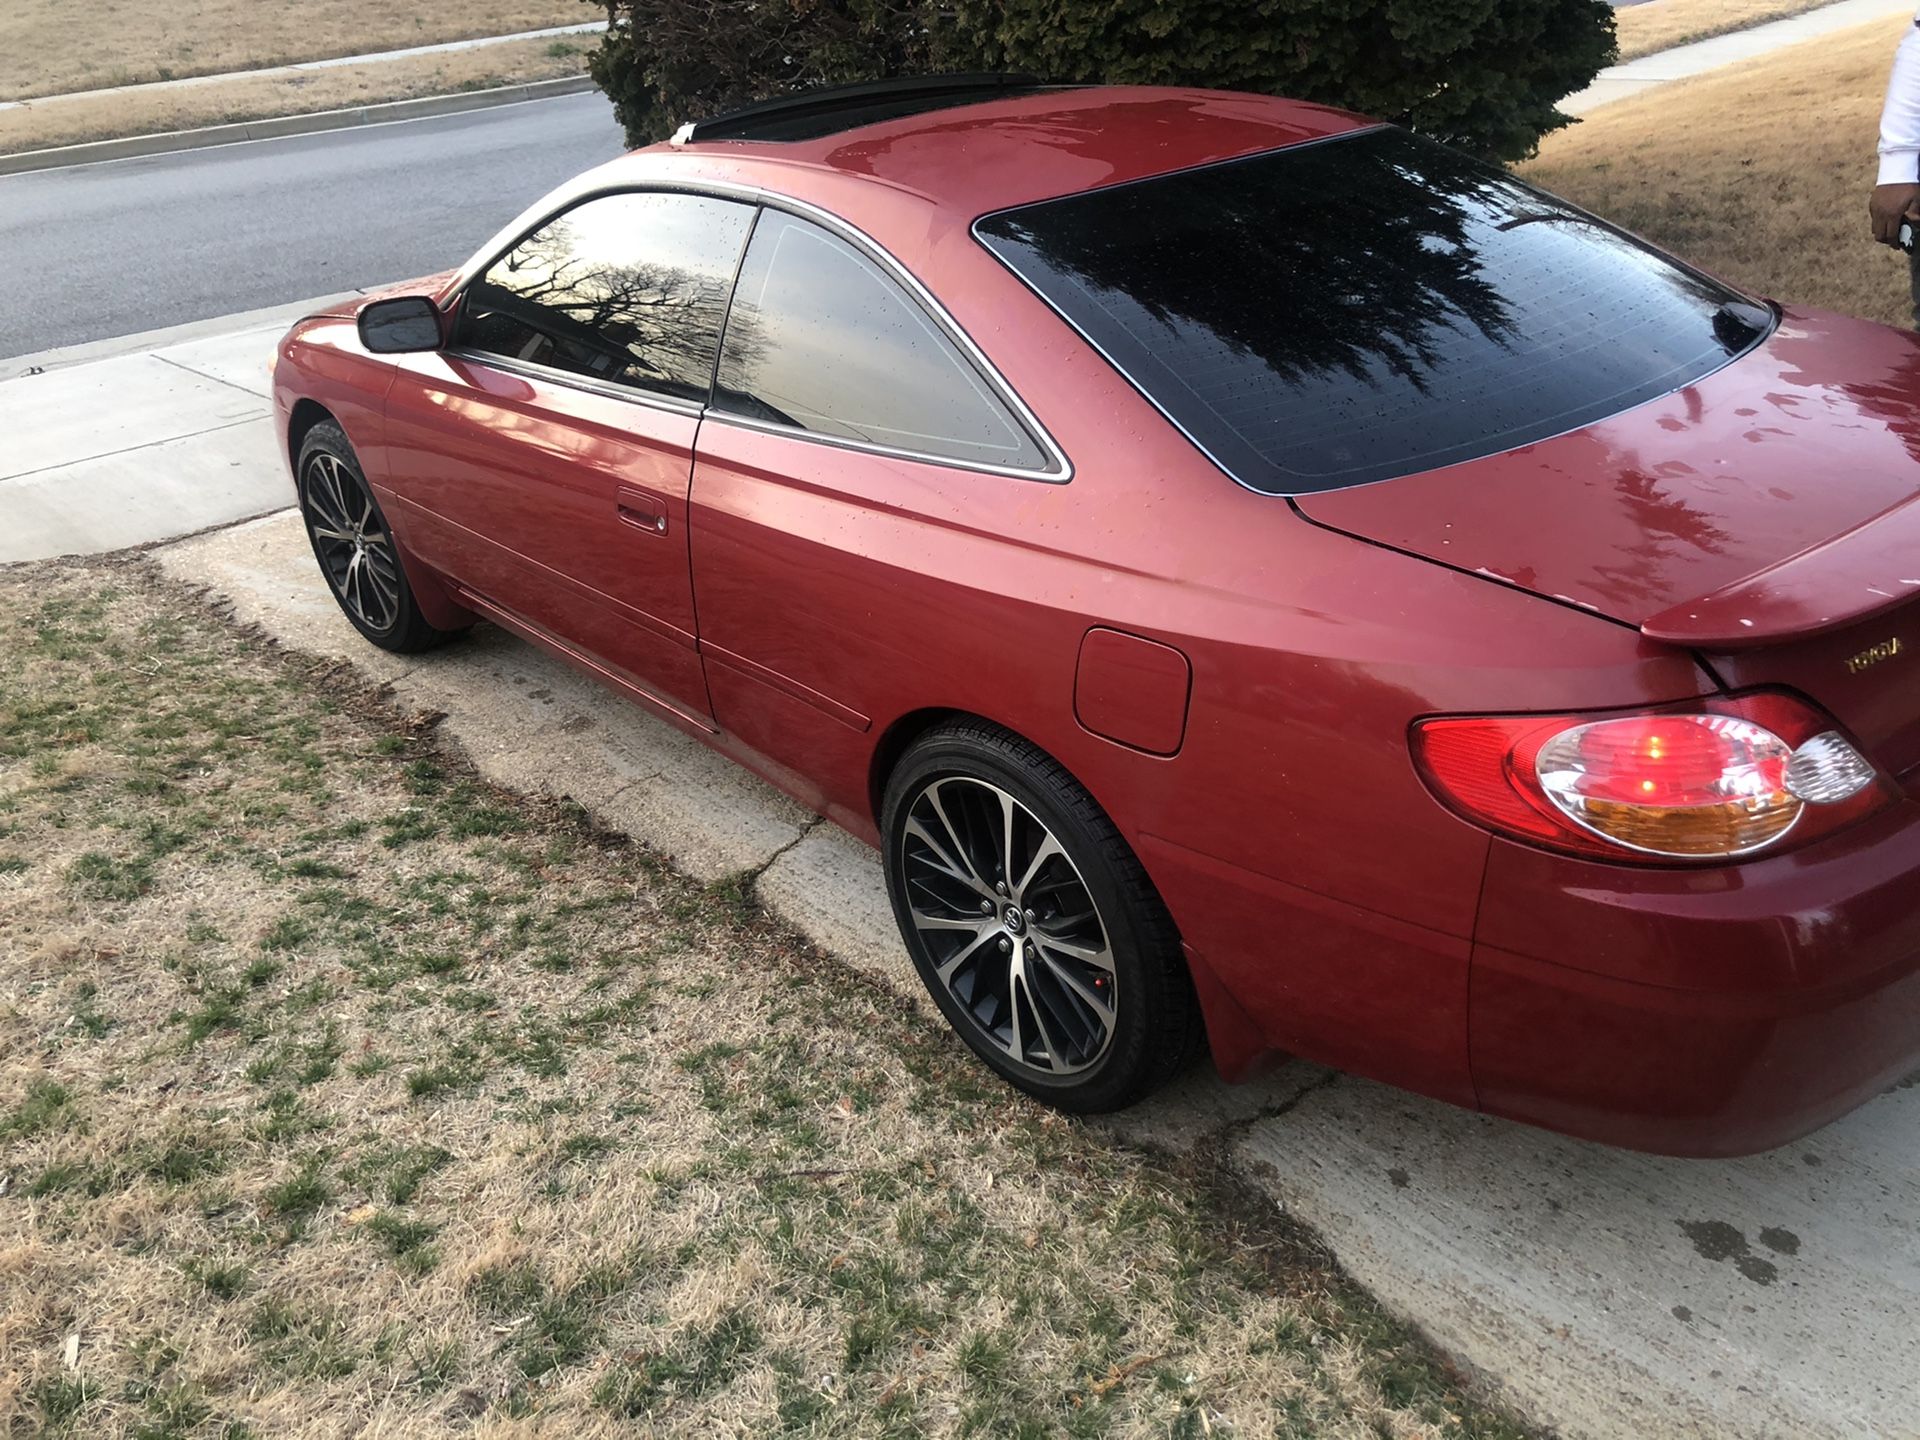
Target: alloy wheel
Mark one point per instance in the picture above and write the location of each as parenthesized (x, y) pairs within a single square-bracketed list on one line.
[(1007, 925), (354, 548)]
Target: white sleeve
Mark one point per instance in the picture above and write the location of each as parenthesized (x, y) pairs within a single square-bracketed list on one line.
[(1900, 121)]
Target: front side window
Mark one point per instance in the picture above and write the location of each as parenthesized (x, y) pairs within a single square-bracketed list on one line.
[(822, 340), (1366, 307), (630, 289)]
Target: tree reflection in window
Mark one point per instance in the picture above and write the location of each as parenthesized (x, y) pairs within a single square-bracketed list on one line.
[(821, 339), (1347, 311), (630, 289)]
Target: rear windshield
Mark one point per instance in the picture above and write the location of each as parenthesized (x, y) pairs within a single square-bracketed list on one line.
[(1348, 311)]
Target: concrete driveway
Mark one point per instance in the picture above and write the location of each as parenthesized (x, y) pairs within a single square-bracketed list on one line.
[(1608, 1294)]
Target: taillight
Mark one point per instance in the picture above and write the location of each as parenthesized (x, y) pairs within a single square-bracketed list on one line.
[(1710, 779)]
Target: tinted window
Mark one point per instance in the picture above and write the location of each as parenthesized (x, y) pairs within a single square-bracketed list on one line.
[(1367, 307), (822, 340), (627, 288)]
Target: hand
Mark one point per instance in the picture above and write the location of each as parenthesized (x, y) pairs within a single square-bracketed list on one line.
[(1890, 205)]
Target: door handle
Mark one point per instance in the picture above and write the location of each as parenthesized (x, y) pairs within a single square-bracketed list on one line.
[(641, 509)]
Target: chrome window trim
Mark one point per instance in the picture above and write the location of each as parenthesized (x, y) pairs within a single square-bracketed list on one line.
[(867, 447), (573, 380), (1059, 470)]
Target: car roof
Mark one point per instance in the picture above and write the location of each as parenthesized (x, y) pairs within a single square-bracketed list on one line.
[(914, 181), (980, 155)]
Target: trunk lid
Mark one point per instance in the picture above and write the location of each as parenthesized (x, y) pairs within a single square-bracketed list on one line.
[(1767, 516)]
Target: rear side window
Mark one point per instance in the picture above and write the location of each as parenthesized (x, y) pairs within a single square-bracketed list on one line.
[(1366, 307), (821, 339), (630, 289)]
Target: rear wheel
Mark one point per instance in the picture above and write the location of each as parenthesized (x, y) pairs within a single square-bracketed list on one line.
[(1032, 924), (355, 547)]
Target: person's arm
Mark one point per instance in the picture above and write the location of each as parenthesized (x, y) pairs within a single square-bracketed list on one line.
[(1897, 195)]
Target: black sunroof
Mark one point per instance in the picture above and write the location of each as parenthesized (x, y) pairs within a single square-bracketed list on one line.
[(815, 113)]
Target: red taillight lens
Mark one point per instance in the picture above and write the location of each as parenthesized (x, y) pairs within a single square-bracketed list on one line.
[(1712, 779)]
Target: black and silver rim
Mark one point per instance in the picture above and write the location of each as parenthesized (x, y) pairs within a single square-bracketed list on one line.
[(1007, 926), (354, 548)]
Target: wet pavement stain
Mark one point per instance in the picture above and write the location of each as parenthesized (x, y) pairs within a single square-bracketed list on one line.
[(1399, 1177), (1780, 1241), (1682, 1314), (1716, 1240)]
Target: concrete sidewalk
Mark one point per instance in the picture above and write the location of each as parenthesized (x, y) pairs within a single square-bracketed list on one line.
[(144, 438), (1618, 82)]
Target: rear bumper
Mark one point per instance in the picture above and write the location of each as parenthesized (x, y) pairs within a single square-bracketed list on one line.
[(1682, 1072), (1718, 1012), (1705, 1012)]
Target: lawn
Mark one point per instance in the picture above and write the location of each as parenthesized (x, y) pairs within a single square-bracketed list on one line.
[(340, 1093), (1759, 172), (1663, 24), (50, 47), (254, 97)]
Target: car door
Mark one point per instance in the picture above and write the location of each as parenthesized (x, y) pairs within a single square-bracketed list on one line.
[(856, 479), (543, 458)]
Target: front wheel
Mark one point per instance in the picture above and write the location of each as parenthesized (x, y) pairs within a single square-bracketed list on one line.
[(355, 547), (1031, 922)]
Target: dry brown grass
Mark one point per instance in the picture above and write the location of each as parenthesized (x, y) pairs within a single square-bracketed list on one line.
[(340, 1094), (1759, 172), (50, 47), (1663, 24), (254, 97)]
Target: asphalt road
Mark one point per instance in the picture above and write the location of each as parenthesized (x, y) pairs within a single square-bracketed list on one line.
[(96, 251)]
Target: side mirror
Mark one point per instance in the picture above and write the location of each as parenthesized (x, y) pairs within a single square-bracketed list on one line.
[(401, 325)]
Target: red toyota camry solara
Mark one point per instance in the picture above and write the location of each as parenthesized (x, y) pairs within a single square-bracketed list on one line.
[(1252, 572)]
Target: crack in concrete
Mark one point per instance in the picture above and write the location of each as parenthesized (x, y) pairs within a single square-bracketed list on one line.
[(266, 401), (632, 784), (1233, 1131), (751, 877), (130, 449)]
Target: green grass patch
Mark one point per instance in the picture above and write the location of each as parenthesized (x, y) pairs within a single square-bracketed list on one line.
[(222, 1279), (406, 1238), (698, 1362), (185, 1159), (298, 1196), (47, 1105), (99, 876)]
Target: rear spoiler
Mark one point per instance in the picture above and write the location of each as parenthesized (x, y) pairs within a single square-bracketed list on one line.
[(1854, 576)]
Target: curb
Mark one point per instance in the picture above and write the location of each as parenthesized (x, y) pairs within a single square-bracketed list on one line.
[(169, 141)]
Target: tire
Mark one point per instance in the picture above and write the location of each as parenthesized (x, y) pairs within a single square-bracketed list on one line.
[(355, 548), (1076, 924)]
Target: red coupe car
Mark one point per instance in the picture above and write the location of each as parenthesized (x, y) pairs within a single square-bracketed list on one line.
[(1252, 571)]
